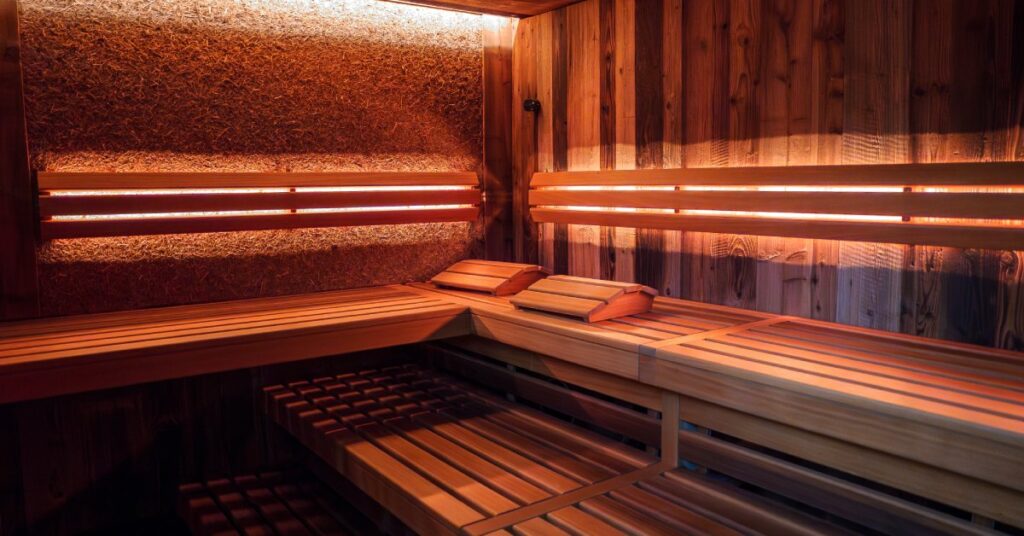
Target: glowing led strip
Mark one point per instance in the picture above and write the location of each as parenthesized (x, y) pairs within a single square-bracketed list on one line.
[(208, 191), (252, 212)]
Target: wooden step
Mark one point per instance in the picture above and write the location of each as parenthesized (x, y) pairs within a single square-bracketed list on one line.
[(289, 502), (591, 300), (492, 277), (439, 454)]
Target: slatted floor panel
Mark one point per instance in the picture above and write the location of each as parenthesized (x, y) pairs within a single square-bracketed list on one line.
[(452, 451), (282, 503)]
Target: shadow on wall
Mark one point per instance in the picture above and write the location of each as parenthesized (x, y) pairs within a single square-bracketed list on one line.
[(227, 85), (970, 296)]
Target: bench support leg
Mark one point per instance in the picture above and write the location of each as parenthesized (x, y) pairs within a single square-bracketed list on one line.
[(669, 430)]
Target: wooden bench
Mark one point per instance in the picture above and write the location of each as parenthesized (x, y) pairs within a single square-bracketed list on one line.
[(942, 421), (290, 502), (933, 429), (448, 457), (868, 489), (609, 346), (50, 357)]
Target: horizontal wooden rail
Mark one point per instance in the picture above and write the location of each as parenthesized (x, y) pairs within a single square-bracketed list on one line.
[(128, 180), (154, 203), (867, 203), (53, 229), (81, 205), (959, 174), (919, 204), (960, 236)]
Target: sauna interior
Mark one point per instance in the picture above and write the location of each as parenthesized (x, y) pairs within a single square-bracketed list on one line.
[(358, 267)]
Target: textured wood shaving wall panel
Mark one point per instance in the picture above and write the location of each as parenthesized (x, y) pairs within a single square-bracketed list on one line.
[(222, 85)]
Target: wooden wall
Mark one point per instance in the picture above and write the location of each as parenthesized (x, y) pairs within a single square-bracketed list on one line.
[(18, 286), (699, 83)]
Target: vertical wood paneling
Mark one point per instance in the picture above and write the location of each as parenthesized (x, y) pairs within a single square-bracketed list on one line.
[(583, 131), (784, 265), (706, 107), (11, 505), (875, 130), (19, 291), (782, 82), (498, 182), (618, 244), (826, 99), (650, 129), (673, 141), (526, 128)]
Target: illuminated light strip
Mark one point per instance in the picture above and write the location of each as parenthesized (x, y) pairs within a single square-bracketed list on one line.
[(733, 213), (128, 217), (383, 188), (851, 189), (284, 190), (168, 191), (379, 209), (608, 188)]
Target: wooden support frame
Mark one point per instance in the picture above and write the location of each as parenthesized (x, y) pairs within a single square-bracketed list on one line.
[(78, 205), (19, 288), (877, 203)]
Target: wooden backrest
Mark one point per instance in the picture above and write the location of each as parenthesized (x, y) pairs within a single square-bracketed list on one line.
[(74, 205), (971, 205)]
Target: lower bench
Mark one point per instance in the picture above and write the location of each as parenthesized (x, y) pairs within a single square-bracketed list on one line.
[(447, 457)]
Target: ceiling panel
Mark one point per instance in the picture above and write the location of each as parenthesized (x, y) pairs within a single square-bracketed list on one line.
[(512, 8)]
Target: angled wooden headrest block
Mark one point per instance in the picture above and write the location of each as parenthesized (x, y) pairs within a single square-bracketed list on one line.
[(497, 278), (591, 300)]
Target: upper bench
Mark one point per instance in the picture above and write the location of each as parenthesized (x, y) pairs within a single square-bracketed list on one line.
[(49, 357)]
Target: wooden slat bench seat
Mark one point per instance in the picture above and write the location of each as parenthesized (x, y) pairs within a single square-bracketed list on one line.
[(610, 346), (66, 355), (441, 455), (932, 412), (938, 421), (670, 503), (867, 489), (289, 502)]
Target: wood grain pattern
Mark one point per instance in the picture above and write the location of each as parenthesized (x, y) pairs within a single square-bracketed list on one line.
[(797, 88), (497, 177), (115, 350), (425, 424), (583, 122), (876, 130), (18, 284)]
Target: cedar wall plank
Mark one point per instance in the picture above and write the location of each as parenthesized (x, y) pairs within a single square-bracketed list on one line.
[(526, 132), (772, 82), (583, 134), (19, 288), (498, 37)]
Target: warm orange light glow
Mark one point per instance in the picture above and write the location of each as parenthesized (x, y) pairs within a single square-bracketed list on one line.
[(280, 190), (90, 217), (787, 215)]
